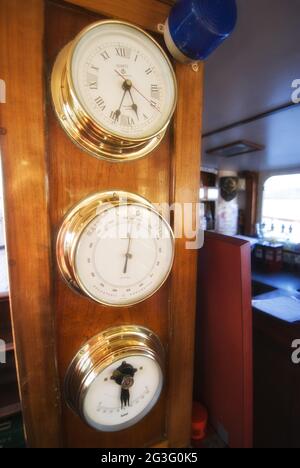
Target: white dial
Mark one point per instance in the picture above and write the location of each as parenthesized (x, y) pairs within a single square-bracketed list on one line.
[(103, 408), (124, 80), (116, 378), (124, 254)]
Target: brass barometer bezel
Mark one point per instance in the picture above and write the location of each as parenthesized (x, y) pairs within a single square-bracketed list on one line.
[(81, 127), (75, 223), (100, 352)]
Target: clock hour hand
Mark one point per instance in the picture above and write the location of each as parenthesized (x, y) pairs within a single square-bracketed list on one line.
[(117, 113)]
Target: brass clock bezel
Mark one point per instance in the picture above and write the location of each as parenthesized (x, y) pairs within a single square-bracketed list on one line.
[(83, 130), (75, 222), (100, 352)]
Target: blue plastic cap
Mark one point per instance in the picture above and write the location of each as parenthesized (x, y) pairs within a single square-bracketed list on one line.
[(198, 27)]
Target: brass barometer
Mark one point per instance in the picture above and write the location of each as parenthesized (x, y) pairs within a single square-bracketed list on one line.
[(114, 91), (116, 378), (115, 248)]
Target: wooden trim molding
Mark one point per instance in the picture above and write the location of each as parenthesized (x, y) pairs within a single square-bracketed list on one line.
[(145, 16), (186, 183), (23, 151)]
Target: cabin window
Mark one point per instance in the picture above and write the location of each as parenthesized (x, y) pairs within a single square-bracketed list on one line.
[(281, 208)]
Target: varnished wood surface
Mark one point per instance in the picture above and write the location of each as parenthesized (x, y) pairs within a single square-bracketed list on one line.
[(184, 189), (147, 14), (63, 175), (26, 211), (72, 176), (224, 371)]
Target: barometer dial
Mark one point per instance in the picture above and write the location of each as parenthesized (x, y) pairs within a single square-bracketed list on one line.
[(115, 248), (116, 378), (114, 83)]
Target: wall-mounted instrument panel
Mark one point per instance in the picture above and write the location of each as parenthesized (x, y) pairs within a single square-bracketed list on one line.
[(109, 292)]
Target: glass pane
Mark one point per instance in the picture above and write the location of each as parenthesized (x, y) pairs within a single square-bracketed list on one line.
[(281, 207)]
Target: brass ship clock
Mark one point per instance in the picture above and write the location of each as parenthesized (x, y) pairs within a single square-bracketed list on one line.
[(115, 248), (114, 91), (116, 378)]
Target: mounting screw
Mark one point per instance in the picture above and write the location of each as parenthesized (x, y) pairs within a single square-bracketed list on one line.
[(161, 28), (3, 131), (195, 67)]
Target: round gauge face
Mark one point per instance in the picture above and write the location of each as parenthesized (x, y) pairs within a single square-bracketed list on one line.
[(124, 255), (123, 80), (111, 405)]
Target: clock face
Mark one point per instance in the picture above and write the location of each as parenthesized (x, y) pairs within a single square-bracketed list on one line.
[(123, 80), (123, 393), (124, 255)]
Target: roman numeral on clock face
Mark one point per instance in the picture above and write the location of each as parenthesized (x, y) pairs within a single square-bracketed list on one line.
[(92, 81), (127, 121), (155, 91), (124, 52), (105, 55), (149, 71), (100, 102)]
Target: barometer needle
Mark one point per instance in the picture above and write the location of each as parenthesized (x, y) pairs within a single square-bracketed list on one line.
[(128, 255)]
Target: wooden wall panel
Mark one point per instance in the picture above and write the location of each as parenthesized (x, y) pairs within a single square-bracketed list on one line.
[(74, 175), (147, 14), (23, 152), (64, 175)]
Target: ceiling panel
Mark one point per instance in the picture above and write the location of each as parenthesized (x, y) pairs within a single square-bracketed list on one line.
[(279, 133), (250, 74)]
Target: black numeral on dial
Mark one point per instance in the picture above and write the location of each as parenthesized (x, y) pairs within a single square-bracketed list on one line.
[(123, 52), (100, 102)]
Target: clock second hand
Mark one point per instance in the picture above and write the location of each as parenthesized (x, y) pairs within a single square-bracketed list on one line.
[(148, 100)]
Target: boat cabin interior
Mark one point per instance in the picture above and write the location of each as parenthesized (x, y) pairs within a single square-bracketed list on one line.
[(149, 226)]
